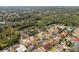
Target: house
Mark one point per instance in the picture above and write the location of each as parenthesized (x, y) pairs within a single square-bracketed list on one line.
[(21, 48), (3, 22)]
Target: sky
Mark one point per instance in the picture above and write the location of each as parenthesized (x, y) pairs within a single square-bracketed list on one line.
[(39, 2)]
